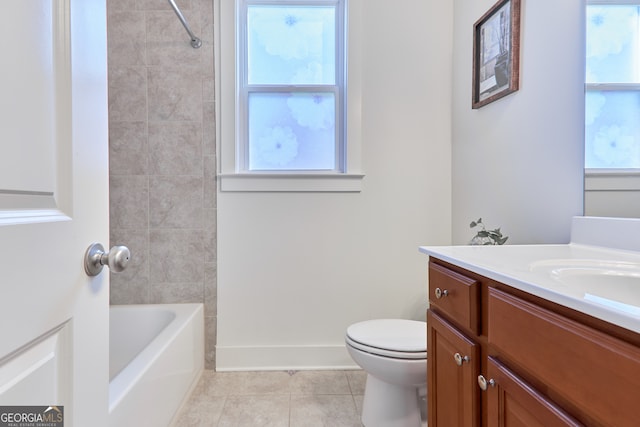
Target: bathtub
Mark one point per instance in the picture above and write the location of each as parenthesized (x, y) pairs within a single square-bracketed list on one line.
[(156, 355)]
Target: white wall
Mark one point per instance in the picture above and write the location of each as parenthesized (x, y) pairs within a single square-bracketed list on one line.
[(518, 162), (295, 269)]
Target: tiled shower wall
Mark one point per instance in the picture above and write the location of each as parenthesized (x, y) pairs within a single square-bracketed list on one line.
[(162, 155)]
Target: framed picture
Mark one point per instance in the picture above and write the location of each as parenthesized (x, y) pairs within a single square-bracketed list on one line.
[(496, 53)]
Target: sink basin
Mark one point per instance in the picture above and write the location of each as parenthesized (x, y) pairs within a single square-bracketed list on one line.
[(614, 284)]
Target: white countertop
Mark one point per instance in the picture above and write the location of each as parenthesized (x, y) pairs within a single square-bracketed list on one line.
[(564, 274)]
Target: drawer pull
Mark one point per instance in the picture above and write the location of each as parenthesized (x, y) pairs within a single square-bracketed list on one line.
[(441, 293), (484, 383), (460, 359)]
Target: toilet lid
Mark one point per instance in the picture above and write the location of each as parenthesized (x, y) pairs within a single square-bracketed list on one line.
[(390, 335)]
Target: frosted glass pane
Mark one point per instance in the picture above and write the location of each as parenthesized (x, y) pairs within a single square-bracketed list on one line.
[(612, 44), (291, 44), (612, 133), (292, 131)]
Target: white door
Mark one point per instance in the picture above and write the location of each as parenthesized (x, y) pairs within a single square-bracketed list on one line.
[(53, 205)]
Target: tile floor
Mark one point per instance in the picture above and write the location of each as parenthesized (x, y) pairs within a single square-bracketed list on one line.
[(275, 398)]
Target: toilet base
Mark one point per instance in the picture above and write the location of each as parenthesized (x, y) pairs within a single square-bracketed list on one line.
[(390, 405)]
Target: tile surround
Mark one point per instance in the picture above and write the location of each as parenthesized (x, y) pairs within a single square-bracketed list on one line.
[(175, 201), (132, 285), (174, 94), (162, 155), (127, 93), (128, 148), (175, 148), (126, 38), (128, 201)]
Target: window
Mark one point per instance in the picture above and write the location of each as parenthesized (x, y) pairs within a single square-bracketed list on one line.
[(612, 99), (290, 92), (287, 118)]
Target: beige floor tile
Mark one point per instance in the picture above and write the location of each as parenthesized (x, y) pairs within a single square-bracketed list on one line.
[(319, 382), (201, 411), (357, 381), (359, 398), (324, 410), (275, 398), (250, 411), (248, 383)]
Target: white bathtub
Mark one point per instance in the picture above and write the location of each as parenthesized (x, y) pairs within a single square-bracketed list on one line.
[(156, 355)]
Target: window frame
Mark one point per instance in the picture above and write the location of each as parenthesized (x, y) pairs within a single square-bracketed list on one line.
[(233, 174)]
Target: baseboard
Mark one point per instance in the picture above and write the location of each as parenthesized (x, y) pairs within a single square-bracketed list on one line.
[(282, 358)]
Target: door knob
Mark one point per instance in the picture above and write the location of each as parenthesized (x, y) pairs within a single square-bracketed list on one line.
[(96, 258)]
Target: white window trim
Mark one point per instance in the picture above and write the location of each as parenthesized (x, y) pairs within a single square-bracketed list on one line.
[(230, 177), (614, 2), (612, 179)]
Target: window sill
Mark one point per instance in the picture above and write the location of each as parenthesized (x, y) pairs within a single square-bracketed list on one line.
[(301, 182), (611, 179)]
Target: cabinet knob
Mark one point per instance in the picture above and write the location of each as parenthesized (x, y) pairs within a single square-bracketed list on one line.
[(441, 293), (484, 383), (460, 359)]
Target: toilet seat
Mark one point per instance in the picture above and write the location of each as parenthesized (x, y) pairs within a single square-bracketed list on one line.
[(396, 338)]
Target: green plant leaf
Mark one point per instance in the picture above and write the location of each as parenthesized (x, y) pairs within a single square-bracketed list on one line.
[(503, 240), (495, 236)]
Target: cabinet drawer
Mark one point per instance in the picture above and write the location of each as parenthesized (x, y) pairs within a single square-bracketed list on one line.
[(455, 295), (597, 375)]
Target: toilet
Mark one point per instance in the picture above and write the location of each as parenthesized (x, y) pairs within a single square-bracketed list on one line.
[(393, 353)]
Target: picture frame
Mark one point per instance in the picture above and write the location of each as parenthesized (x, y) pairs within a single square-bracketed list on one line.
[(496, 53)]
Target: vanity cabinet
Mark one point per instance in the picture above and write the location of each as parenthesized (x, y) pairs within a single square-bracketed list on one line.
[(498, 356)]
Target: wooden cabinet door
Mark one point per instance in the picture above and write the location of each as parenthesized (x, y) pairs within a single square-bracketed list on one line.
[(452, 369), (513, 403)]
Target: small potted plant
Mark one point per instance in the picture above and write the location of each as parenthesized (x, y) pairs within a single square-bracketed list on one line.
[(486, 237)]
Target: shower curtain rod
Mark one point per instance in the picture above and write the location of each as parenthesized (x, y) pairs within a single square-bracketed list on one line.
[(195, 41)]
